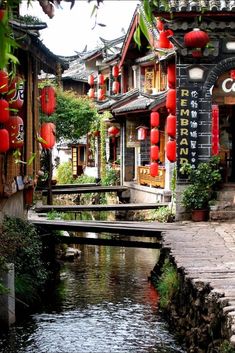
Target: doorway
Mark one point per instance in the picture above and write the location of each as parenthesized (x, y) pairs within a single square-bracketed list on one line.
[(227, 141)]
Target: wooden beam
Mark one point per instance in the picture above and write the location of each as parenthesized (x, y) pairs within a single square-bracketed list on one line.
[(81, 190)]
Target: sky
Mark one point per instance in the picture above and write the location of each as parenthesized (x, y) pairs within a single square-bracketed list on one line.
[(70, 30)]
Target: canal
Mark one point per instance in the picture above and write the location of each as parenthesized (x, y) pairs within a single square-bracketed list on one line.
[(104, 303)]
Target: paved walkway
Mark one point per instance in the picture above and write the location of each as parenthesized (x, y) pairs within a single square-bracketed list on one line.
[(207, 253)]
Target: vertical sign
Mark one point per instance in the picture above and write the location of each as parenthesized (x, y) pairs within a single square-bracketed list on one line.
[(215, 130), (188, 128)]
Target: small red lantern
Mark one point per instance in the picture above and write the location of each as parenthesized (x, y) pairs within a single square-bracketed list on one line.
[(163, 39), (101, 79), (115, 87), (48, 135), (142, 132), (2, 14), (91, 93), (160, 24), (154, 169), (113, 131), (48, 100), (171, 150), (196, 38), (4, 111), (154, 119), (171, 75), (15, 93), (154, 153), (171, 125), (91, 80), (154, 136), (4, 140), (15, 127), (171, 100), (115, 71), (101, 94), (3, 81)]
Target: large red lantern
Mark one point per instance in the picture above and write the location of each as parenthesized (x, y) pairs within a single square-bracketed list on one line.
[(4, 140), (154, 119), (115, 71), (91, 80), (154, 153), (4, 111), (48, 100), (48, 135), (171, 150), (3, 82), (91, 93), (154, 136), (113, 131), (171, 125), (101, 94), (115, 87), (154, 169), (15, 127), (171, 100), (171, 75), (101, 79), (15, 93), (196, 38)]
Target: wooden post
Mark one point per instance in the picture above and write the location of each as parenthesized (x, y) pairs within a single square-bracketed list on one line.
[(49, 193), (7, 300)]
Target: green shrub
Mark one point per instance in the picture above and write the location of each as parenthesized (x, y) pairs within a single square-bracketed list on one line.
[(21, 245), (64, 173), (163, 214), (168, 284), (111, 178)]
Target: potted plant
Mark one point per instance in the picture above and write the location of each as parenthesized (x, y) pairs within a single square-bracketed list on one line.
[(203, 181)]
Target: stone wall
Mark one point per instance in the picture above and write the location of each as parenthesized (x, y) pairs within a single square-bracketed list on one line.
[(195, 314)]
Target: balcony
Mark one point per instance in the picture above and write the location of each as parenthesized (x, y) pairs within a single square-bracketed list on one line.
[(144, 177)]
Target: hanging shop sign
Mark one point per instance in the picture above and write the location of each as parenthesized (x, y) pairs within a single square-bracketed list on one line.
[(187, 140)]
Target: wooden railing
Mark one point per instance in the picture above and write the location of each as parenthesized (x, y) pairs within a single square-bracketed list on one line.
[(144, 177)]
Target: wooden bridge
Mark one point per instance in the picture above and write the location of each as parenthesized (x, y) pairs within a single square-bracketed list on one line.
[(84, 189), (121, 232)]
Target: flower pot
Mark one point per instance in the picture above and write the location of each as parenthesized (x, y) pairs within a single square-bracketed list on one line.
[(200, 215)]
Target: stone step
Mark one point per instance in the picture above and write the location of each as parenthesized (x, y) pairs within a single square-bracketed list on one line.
[(222, 215), (226, 195)]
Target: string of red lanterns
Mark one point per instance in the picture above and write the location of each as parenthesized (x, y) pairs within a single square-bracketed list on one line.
[(115, 85), (154, 139)]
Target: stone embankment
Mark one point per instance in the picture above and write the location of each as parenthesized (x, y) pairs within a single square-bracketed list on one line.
[(203, 311)]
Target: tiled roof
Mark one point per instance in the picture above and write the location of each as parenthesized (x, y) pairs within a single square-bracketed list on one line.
[(197, 6), (142, 102), (119, 99)]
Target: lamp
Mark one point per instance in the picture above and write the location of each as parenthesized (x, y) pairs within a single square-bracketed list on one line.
[(196, 73)]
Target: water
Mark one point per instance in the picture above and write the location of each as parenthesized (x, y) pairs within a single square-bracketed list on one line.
[(104, 304)]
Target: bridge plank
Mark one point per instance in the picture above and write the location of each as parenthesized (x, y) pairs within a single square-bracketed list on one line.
[(114, 207), (81, 190)]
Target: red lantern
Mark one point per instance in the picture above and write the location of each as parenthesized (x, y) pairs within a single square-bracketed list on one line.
[(154, 153), (101, 79), (171, 100), (4, 111), (171, 125), (2, 14), (154, 119), (113, 131), (196, 38), (154, 169), (232, 74), (171, 150), (3, 81), (142, 132), (115, 87), (91, 93), (15, 127), (197, 53), (154, 136), (171, 75), (91, 80), (4, 140), (163, 39), (48, 135), (101, 94), (160, 24), (15, 93), (115, 71), (215, 129), (48, 100)]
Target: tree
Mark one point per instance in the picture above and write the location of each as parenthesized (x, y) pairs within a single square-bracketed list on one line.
[(74, 116)]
